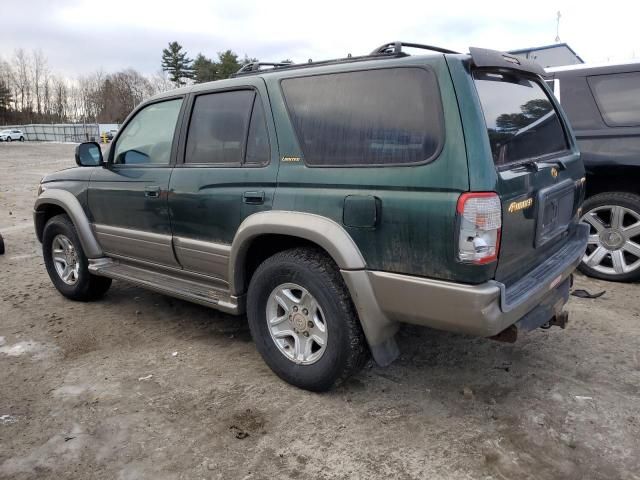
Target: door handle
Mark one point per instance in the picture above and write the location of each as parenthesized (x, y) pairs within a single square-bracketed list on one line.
[(152, 191), (253, 198)]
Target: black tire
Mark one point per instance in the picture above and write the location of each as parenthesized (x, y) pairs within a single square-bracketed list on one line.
[(346, 349), (627, 200), (9, 139), (88, 286), (22, 139)]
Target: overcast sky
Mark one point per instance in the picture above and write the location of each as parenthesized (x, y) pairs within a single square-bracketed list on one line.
[(81, 36)]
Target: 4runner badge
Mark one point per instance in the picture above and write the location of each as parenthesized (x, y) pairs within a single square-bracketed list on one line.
[(521, 205), (290, 159)]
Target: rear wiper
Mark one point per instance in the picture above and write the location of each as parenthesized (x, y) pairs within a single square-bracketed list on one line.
[(537, 165)]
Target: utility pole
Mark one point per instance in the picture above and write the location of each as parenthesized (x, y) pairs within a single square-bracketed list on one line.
[(558, 27)]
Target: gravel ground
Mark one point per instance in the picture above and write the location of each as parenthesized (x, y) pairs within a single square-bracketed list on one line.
[(139, 385)]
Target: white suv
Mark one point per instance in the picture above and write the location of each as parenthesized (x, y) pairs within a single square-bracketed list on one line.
[(10, 135)]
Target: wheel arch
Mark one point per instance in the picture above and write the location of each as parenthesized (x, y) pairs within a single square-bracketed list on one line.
[(283, 229), (54, 202), (622, 178)]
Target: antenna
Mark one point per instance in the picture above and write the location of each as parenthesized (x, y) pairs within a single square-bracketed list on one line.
[(558, 27)]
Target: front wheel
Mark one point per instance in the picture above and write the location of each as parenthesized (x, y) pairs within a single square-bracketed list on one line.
[(67, 264), (303, 321), (613, 251), (9, 139)]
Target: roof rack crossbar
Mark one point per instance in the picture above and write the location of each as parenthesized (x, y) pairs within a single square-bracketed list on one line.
[(257, 66), (395, 48)]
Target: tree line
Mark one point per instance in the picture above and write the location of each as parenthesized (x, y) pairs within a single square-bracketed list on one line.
[(31, 92)]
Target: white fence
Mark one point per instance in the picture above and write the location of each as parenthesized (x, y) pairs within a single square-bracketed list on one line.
[(59, 132)]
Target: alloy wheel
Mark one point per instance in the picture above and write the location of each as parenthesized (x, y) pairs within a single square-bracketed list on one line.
[(65, 259), (614, 240), (297, 323)]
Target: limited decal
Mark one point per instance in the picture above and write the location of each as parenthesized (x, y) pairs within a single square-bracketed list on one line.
[(290, 159), (521, 205)]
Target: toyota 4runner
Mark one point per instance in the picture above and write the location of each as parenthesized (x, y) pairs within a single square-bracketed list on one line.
[(332, 201)]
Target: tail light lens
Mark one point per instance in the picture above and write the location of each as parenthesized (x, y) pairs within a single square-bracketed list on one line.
[(480, 222)]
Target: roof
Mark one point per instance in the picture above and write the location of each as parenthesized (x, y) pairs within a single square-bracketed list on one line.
[(546, 47), (587, 66)]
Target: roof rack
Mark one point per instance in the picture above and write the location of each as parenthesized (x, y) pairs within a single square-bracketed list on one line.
[(254, 67), (395, 48), (388, 50)]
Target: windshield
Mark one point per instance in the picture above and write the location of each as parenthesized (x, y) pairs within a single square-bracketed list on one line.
[(521, 121)]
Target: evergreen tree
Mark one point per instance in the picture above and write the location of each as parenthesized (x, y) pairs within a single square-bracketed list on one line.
[(227, 64), (176, 62), (204, 69)]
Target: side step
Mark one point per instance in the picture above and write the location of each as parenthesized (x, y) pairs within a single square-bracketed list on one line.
[(175, 286)]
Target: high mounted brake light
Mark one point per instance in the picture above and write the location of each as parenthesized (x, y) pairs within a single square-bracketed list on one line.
[(480, 223)]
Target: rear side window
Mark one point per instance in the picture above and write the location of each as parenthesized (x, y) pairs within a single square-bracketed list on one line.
[(374, 117), (218, 127), (521, 121), (618, 97)]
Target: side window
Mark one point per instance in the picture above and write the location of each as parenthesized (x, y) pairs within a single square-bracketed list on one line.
[(618, 98), (390, 116), (147, 138), (258, 151), (218, 127)]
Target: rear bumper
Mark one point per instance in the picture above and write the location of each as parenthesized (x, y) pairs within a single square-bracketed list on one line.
[(483, 310)]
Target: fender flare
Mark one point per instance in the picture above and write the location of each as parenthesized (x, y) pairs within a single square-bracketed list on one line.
[(317, 229), (70, 204)]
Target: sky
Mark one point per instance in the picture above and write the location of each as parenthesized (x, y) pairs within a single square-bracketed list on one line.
[(81, 36)]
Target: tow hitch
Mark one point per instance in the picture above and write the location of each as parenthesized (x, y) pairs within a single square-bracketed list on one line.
[(560, 319)]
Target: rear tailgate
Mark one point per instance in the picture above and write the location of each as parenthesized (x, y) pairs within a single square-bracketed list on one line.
[(540, 177)]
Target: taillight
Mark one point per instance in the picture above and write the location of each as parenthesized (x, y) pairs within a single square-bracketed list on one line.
[(480, 221)]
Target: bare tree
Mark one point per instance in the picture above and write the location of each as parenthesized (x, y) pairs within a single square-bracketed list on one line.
[(38, 73), (160, 82), (22, 80)]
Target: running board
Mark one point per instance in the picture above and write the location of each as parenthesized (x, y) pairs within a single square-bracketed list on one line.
[(190, 290)]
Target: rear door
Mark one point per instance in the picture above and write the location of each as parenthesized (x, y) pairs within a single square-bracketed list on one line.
[(539, 171), (226, 171)]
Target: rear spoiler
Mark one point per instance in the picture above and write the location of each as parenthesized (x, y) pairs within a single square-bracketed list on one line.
[(483, 57)]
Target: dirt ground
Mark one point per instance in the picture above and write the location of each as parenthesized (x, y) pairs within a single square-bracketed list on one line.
[(140, 385)]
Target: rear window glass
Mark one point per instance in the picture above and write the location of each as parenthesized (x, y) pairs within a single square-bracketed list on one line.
[(373, 117), (521, 121), (618, 97)]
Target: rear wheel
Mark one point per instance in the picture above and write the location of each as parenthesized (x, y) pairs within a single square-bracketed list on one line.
[(9, 138), (22, 139), (67, 264), (613, 251), (303, 321)]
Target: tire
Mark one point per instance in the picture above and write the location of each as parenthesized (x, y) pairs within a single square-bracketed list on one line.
[(1, 245), (22, 139), (345, 350), (9, 139), (81, 285), (613, 252)]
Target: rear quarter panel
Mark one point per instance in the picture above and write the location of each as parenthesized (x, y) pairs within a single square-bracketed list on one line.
[(415, 223)]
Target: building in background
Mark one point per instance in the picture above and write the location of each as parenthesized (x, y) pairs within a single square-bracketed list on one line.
[(555, 55)]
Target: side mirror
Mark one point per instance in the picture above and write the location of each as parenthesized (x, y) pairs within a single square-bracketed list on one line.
[(89, 154)]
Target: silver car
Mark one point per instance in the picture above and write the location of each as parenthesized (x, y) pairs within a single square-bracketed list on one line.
[(11, 134)]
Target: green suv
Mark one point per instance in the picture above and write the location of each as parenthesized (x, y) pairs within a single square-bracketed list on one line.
[(333, 201)]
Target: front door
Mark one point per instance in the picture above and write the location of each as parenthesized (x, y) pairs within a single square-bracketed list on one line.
[(226, 171), (128, 198)]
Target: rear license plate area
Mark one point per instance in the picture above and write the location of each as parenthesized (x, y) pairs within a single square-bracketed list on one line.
[(555, 210)]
